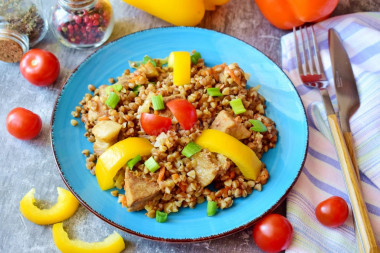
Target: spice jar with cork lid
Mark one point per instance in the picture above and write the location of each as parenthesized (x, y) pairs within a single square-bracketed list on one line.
[(22, 25), (82, 23)]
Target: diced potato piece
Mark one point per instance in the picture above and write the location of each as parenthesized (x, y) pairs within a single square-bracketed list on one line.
[(106, 131)]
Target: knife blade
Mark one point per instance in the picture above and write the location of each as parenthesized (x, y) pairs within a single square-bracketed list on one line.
[(346, 90)]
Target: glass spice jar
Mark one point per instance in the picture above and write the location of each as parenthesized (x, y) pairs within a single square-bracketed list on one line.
[(82, 23), (22, 25)]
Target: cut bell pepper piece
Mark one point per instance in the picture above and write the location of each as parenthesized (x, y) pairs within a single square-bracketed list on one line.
[(116, 156), (65, 207), (114, 243), (181, 67), (180, 13), (220, 142)]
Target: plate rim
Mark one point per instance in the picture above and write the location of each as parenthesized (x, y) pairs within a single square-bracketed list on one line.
[(156, 238)]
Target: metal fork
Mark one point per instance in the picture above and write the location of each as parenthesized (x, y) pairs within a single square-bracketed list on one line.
[(312, 75)]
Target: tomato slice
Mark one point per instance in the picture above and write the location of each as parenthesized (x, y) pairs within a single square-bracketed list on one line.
[(184, 112), (155, 124)]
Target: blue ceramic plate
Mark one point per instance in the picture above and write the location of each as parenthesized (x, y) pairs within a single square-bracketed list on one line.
[(284, 106)]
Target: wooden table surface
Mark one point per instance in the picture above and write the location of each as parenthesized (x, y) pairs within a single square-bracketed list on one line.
[(27, 164)]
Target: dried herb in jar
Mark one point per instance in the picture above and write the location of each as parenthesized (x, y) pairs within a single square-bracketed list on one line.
[(23, 19)]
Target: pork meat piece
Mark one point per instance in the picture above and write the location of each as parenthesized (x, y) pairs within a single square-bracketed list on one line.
[(139, 191), (226, 123)]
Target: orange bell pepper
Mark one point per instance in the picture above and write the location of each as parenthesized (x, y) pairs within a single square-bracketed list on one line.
[(286, 14)]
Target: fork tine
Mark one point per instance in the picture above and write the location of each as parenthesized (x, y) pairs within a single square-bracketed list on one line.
[(313, 69), (307, 67), (298, 55), (319, 60)]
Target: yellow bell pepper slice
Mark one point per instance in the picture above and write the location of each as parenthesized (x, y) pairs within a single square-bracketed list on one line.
[(210, 5), (180, 13), (217, 2), (114, 243), (65, 207), (116, 156), (220, 142), (181, 63)]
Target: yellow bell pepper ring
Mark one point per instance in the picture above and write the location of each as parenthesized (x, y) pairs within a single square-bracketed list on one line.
[(227, 145), (114, 243), (116, 156), (181, 63), (65, 207), (180, 13)]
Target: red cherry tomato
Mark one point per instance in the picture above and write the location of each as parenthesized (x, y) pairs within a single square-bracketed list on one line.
[(184, 112), (273, 233), (155, 124), (23, 124), (39, 67), (332, 212)]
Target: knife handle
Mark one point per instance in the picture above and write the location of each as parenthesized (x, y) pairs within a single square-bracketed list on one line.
[(350, 145), (358, 205)]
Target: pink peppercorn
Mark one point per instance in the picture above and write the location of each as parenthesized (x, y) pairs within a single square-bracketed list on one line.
[(77, 19)]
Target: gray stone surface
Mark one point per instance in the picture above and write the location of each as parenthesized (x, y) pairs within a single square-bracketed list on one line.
[(27, 164)]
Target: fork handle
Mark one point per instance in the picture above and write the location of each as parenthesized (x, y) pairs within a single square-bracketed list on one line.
[(358, 205)]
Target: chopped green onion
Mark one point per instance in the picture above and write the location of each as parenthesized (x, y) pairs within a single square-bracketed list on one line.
[(148, 59), (158, 103), (258, 126), (115, 87), (112, 100), (211, 208), (195, 57), (191, 149), (214, 92), (151, 164), (136, 89), (237, 106), (161, 216), (136, 64), (163, 61), (131, 163)]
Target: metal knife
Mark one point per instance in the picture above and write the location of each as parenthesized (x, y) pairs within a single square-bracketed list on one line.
[(348, 102), (346, 90)]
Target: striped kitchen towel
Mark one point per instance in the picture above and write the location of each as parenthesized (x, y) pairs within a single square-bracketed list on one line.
[(321, 176)]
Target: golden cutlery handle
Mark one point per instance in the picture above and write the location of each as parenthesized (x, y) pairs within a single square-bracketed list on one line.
[(358, 205), (350, 145)]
